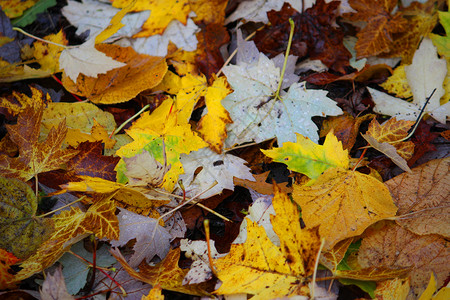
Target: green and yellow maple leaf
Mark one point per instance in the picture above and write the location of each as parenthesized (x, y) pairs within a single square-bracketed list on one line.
[(309, 158), (34, 157), (260, 268), (165, 138)]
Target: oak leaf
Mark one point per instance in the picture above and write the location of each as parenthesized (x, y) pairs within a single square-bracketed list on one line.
[(423, 198), (34, 157), (343, 204), (71, 226), (390, 245), (382, 23), (6, 260), (163, 135), (308, 158), (260, 268), (167, 273), (136, 73), (22, 231)]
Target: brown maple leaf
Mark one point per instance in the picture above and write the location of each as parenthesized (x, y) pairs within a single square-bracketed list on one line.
[(377, 36), (34, 157), (314, 35)]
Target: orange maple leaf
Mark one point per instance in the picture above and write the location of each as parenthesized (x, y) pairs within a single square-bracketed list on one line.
[(34, 157), (376, 37), (6, 260)]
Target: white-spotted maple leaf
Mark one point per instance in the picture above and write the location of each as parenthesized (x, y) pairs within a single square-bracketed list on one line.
[(253, 107)]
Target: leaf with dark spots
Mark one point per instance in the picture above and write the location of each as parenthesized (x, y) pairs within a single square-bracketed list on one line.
[(314, 35)]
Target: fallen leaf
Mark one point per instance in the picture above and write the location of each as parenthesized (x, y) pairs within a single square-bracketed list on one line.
[(314, 34), (219, 168), (6, 261), (311, 159), (22, 231), (426, 73), (260, 185), (71, 226), (155, 293), (372, 273), (15, 8), (442, 42), (163, 135), (390, 245), (345, 127), (144, 170), (393, 289), (134, 226), (136, 199), (260, 268), (54, 287), (46, 54), (162, 13), (35, 157), (86, 60), (167, 273), (332, 258), (257, 114), (389, 150), (343, 204), (212, 126), (423, 199), (383, 21), (136, 72)]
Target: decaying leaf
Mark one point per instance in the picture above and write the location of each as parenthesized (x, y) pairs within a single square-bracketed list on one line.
[(22, 232), (6, 278), (423, 198), (54, 287), (260, 268), (390, 245), (167, 273), (343, 204), (71, 226)]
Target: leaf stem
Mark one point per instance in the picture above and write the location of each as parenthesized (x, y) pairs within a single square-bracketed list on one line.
[(288, 49), (62, 207), (118, 129), (208, 244), (39, 39)]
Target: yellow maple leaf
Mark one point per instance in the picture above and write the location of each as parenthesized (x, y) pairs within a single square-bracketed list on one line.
[(47, 55), (15, 8), (212, 126), (137, 199), (162, 13), (393, 131), (393, 289), (71, 226), (260, 268), (343, 203), (164, 137)]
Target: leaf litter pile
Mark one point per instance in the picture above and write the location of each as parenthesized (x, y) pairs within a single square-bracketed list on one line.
[(197, 148)]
